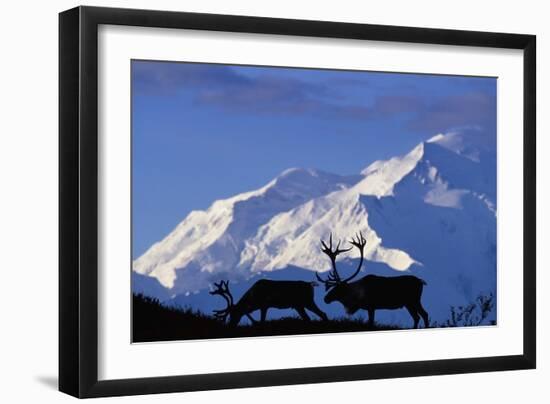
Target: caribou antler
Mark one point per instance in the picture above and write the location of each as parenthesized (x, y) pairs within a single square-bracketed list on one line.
[(359, 241), (222, 289), (333, 277)]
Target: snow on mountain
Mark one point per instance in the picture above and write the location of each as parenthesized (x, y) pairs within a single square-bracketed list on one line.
[(292, 238), (470, 142), (150, 286), (209, 242), (381, 176), (448, 228), (431, 212)]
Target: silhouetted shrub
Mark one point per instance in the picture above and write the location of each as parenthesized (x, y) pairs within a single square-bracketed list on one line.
[(471, 315)]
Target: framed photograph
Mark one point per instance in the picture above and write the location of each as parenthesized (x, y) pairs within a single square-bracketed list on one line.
[(240, 194)]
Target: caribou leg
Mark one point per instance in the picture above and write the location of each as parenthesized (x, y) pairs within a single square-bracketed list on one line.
[(251, 318), (314, 309), (424, 315), (371, 317), (263, 314), (301, 311), (412, 311)]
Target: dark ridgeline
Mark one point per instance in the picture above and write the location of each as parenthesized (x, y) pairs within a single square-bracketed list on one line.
[(153, 321), (265, 294), (372, 292)]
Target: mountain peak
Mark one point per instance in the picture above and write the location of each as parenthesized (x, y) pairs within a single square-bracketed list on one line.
[(296, 176), (468, 142), (382, 175), (298, 171), (436, 138), (307, 183)]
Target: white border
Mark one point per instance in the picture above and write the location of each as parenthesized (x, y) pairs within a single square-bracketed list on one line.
[(120, 359)]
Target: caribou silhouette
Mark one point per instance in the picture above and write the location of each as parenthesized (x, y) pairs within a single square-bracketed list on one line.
[(372, 292), (265, 294)]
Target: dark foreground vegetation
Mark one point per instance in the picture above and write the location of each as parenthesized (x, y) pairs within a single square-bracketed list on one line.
[(154, 322)]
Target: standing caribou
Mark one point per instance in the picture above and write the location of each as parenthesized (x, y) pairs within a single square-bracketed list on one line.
[(265, 294), (372, 292)]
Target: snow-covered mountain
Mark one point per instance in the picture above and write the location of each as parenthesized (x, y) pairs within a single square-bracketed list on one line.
[(431, 212), (211, 242)]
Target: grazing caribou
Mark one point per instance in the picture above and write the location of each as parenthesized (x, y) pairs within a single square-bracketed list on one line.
[(372, 292), (265, 294)]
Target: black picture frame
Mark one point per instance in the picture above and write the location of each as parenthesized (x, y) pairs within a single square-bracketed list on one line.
[(78, 201)]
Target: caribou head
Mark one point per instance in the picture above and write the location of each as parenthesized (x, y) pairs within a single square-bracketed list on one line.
[(232, 310), (335, 285), (222, 289)]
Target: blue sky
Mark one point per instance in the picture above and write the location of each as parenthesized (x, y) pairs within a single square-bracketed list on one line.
[(202, 132)]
